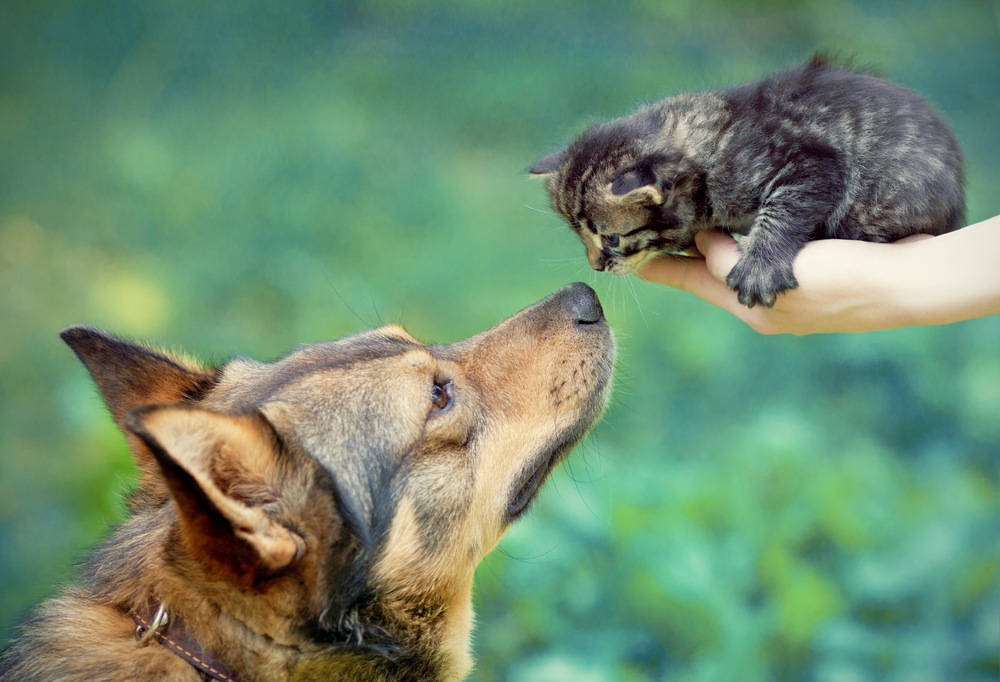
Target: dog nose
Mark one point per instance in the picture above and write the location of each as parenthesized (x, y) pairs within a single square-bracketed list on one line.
[(581, 301)]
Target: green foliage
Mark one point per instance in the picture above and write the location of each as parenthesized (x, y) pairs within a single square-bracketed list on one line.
[(243, 179)]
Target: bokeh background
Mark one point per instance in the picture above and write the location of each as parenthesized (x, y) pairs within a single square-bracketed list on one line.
[(243, 177)]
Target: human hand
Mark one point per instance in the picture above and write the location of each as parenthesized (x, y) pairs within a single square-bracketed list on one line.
[(844, 286)]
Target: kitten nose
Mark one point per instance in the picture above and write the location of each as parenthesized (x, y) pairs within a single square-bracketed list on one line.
[(597, 260), (581, 301)]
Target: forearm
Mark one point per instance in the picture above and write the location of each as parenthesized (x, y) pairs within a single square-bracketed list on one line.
[(949, 278)]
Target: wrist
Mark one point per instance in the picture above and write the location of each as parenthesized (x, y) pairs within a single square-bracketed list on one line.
[(898, 294), (921, 283)]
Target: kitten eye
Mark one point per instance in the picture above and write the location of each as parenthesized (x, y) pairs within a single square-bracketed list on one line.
[(441, 396), (611, 240)]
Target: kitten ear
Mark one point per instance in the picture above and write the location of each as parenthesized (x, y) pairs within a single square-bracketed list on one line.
[(547, 166), (638, 186)]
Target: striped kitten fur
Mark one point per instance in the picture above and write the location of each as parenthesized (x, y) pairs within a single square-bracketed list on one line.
[(815, 151)]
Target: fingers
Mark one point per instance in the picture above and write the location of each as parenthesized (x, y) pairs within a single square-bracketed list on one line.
[(674, 271), (706, 278), (720, 250), (692, 275)]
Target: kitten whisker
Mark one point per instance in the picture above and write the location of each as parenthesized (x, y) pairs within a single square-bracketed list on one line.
[(635, 295), (542, 210)]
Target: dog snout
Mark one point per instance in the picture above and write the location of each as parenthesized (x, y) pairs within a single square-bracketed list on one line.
[(581, 301)]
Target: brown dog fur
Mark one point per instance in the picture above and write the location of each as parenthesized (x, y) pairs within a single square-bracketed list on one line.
[(320, 517)]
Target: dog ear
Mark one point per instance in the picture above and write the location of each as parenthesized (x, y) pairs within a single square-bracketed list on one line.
[(128, 376), (221, 471), (547, 166)]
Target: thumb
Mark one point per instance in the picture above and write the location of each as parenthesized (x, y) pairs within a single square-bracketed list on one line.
[(720, 251)]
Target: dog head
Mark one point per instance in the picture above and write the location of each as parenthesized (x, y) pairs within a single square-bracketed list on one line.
[(335, 503)]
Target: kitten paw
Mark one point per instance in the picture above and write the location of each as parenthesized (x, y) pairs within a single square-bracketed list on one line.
[(758, 282)]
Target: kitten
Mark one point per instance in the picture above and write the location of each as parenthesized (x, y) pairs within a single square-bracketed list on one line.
[(815, 151)]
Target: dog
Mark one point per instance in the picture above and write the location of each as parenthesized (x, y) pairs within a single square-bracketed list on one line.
[(319, 517)]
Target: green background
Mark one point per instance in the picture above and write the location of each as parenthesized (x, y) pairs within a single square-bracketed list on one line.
[(240, 178)]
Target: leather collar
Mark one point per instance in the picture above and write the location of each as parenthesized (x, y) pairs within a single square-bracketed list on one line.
[(172, 632)]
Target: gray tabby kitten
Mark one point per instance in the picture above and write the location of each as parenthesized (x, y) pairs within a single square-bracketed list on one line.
[(815, 151)]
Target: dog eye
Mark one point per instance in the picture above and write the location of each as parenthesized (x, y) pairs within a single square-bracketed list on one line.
[(611, 240), (441, 396)]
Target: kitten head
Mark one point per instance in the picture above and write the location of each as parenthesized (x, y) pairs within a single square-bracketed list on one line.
[(627, 200)]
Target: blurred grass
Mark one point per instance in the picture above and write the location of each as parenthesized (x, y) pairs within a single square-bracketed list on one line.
[(240, 178)]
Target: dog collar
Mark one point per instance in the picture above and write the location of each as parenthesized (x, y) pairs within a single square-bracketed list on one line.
[(173, 633)]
